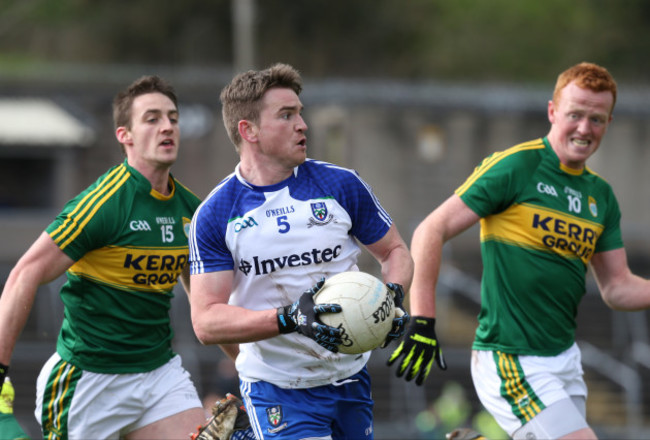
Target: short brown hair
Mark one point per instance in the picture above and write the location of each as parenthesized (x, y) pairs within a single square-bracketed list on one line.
[(241, 99), (587, 76), (123, 101)]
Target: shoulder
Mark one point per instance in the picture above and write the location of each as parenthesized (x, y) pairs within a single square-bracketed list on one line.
[(108, 189), (517, 162), (186, 193), (598, 179), (327, 172), (523, 155), (221, 199), (225, 191), (602, 189)]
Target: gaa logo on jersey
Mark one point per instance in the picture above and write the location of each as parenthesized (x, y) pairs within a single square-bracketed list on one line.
[(319, 209)]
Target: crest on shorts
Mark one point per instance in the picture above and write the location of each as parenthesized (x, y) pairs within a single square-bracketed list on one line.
[(274, 415)]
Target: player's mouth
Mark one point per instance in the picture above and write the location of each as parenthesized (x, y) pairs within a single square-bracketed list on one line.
[(302, 143), (581, 143), (167, 143)]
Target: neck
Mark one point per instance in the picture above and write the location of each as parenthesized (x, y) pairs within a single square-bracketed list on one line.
[(158, 177), (263, 173), (161, 185)]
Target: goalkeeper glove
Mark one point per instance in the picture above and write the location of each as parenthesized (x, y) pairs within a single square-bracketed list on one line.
[(401, 316), (420, 348), (229, 421), (302, 317)]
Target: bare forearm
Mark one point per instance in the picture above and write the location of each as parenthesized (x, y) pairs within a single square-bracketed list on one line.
[(426, 248), (226, 324), (445, 222), (15, 305), (398, 268)]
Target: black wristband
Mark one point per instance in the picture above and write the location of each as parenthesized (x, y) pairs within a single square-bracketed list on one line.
[(285, 323), (423, 320), (3, 372)]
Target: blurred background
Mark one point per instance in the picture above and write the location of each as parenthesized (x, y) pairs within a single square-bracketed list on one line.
[(412, 94)]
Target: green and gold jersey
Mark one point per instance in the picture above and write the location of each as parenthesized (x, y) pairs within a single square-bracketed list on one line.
[(541, 223), (129, 243)]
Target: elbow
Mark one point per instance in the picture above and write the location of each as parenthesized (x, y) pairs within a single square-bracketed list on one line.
[(201, 336), (616, 300), (609, 298), (202, 332), (609, 302)]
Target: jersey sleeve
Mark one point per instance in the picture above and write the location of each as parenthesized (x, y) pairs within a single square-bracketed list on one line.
[(495, 182), (82, 225), (370, 221), (208, 249), (611, 237)]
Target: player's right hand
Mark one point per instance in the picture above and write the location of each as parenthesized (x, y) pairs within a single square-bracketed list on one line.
[(3, 373), (402, 317), (302, 317), (419, 348)]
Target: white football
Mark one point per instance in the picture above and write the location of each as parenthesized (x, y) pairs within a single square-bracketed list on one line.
[(368, 310)]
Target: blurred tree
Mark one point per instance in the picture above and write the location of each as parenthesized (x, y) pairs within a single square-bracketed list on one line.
[(118, 31), (417, 39)]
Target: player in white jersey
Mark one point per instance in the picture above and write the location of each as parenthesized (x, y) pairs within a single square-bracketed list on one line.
[(260, 241)]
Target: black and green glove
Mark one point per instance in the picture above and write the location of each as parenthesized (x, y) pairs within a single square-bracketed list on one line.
[(401, 315), (419, 348), (302, 317)]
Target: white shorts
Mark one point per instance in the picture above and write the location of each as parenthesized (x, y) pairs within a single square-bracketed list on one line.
[(515, 389), (84, 405)]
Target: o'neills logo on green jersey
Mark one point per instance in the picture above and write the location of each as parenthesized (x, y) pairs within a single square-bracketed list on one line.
[(543, 229), (147, 269)]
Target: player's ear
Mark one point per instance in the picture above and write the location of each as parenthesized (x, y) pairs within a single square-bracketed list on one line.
[(123, 136), (551, 111), (248, 130)]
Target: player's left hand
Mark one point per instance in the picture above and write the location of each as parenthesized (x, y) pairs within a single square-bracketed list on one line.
[(420, 349), (402, 317)]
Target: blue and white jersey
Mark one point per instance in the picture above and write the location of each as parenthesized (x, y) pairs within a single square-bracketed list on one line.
[(280, 240)]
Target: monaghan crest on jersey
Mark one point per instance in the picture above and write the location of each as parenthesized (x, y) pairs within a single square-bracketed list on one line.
[(319, 209), (321, 216)]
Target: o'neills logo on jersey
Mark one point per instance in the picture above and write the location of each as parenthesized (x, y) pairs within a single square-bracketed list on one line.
[(266, 266)]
